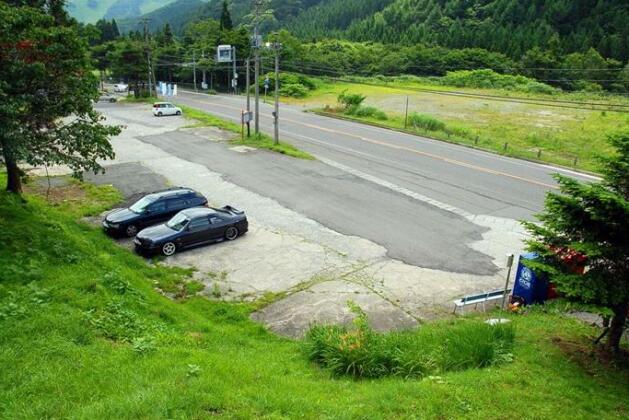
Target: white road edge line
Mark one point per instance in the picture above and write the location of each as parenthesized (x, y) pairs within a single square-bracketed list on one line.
[(397, 188)]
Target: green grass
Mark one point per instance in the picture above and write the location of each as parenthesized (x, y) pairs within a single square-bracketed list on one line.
[(85, 334), (262, 142), (139, 100), (430, 350), (548, 134)]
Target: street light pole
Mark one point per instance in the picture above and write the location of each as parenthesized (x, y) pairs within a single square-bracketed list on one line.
[(248, 98), (256, 49), (276, 114), (235, 74), (194, 71)]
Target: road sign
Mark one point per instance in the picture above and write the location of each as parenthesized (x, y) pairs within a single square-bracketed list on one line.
[(247, 116), (224, 54)]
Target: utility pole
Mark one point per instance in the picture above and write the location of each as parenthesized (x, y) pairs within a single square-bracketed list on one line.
[(235, 74), (248, 98), (204, 81), (147, 49), (276, 114), (406, 114), (194, 71), (256, 49)]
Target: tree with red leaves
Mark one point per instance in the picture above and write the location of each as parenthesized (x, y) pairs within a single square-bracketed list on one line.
[(47, 90)]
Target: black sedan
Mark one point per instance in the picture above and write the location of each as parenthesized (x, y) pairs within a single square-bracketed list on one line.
[(192, 227), (152, 209)]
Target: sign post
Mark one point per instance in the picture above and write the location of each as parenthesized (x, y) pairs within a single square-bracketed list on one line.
[(245, 118), (509, 265)]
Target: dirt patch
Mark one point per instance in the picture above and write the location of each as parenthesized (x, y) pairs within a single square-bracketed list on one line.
[(593, 359), (60, 190)]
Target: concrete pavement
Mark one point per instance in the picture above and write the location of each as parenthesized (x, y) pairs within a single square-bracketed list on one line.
[(322, 232)]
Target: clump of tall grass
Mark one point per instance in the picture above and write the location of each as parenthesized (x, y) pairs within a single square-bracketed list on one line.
[(366, 112), (432, 349), (426, 122)]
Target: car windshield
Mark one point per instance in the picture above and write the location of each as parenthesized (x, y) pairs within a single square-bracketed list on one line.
[(141, 205), (178, 222)]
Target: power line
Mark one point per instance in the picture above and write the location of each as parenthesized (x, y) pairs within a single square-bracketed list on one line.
[(522, 100), (368, 74)]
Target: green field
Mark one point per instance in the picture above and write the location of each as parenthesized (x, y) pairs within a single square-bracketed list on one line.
[(538, 132), (85, 332)]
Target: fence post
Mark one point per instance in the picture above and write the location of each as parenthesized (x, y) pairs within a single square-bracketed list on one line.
[(505, 146), (406, 114)]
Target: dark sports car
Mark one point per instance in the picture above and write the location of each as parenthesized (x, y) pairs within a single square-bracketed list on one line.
[(152, 209), (192, 227)]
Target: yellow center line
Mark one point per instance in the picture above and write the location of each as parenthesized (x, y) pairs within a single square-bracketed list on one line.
[(406, 149)]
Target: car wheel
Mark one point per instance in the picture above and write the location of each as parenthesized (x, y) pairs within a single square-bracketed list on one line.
[(169, 249), (131, 231), (112, 100), (231, 233), (159, 114), (178, 113)]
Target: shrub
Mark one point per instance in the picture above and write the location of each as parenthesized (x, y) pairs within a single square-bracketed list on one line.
[(489, 79), (367, 111), (348, 100), (426, 122), (287, 78), (361, 352), (294, 90)]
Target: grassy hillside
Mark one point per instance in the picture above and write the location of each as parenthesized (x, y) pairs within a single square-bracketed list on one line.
[(86, 331)]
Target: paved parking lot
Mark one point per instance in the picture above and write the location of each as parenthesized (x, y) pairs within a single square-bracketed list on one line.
[(311, 269)]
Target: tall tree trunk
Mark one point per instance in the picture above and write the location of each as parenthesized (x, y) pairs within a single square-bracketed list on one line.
[(14, 181), (617, 326)]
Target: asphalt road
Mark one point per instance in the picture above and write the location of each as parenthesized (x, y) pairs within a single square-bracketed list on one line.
[(472, 180), (414, 196)]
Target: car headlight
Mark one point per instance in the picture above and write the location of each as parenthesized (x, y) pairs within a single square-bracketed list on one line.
[(113, 225)]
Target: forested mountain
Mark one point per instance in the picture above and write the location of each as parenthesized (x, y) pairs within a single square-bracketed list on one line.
[(330, 17), (512, 27), (508, 26), (177, 14), (89, 11)]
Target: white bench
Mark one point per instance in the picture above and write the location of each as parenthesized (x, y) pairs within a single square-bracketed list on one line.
[(479, 298)]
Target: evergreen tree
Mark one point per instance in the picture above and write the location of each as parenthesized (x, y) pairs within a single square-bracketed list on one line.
[(168, 35), (114, 29), (226, 20), (590, 220)]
